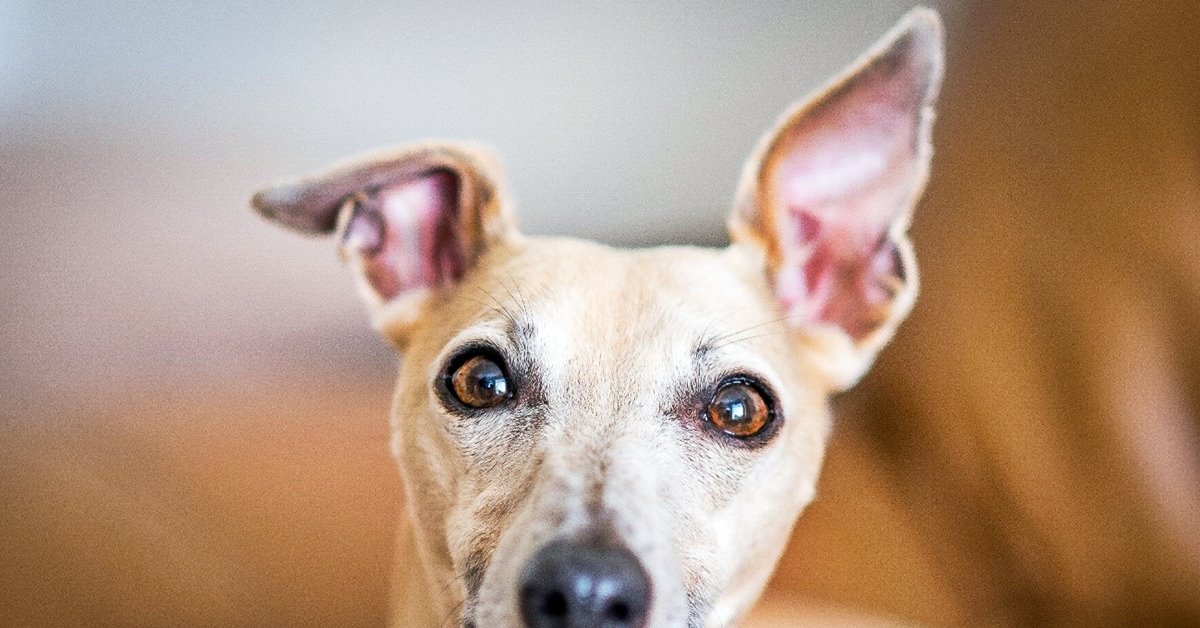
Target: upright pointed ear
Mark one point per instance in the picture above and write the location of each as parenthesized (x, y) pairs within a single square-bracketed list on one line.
[(410, 222), (829, 195)]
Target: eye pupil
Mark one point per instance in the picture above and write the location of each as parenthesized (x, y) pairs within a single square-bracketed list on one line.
[(738, 409), (480, 383)]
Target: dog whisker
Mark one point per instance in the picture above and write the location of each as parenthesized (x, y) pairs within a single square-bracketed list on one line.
[(454, 612), (507, 313), (745, 338), (781, 319), (705, 336), (520, 302), (484, 305), (457, 609)]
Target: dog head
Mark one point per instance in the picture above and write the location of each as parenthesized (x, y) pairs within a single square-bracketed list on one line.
[(593, 436)]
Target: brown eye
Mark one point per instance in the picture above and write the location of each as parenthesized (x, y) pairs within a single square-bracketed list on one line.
[(480, 382), (739, 409)]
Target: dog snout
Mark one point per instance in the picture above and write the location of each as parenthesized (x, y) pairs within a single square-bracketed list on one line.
[(574, 584)]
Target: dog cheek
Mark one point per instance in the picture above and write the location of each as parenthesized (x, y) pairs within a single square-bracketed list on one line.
[(479, 529), (496, 602)]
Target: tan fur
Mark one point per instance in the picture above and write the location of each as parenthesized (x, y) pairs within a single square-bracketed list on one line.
[(647, 308), (616, 351)]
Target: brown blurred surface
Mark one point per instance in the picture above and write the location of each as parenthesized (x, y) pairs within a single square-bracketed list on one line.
[(265, 505), (1026, 454)]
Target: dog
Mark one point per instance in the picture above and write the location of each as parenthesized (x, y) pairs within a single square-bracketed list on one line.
[(591, 436)]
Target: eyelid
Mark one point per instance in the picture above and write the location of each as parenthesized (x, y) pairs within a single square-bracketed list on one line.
[(735, 359), (463, 354), (757, 383), (478, 336), (754, 377)]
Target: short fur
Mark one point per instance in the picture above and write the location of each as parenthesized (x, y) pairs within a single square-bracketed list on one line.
[(614, 353)]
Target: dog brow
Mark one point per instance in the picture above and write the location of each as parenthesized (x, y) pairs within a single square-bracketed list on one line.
[(520, 331)]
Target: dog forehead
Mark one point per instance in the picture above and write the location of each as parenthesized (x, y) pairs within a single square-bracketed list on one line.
[(602, 286), (587, 305)]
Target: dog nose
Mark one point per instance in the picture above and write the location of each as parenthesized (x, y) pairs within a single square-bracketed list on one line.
[(570, 584)]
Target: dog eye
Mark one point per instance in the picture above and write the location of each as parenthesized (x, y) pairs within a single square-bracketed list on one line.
[(739, 409), (480, 382)]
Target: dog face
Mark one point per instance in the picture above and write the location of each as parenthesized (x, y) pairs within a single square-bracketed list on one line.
[(611, 362), (594, 436)]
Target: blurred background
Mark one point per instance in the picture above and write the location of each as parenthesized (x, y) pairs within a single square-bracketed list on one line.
[(192, 406)]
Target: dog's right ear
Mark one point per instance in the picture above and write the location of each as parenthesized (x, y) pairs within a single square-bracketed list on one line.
[(409, 222)]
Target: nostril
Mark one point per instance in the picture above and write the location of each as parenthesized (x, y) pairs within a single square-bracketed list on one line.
[(618, 611), (570, 584), (555, 605)]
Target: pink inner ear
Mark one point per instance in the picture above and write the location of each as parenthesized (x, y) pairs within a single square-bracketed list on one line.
[(408, 235), (848, 172)]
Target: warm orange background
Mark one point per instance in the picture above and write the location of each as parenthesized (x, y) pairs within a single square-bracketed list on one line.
[(194, 412)]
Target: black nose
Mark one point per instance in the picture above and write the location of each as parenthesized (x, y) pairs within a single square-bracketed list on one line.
[(572, 584)]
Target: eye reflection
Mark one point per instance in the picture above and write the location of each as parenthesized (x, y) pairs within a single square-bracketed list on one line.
[(739, 409), (480, 382)]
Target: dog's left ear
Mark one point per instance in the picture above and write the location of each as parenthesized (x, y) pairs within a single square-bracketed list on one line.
[(409, 222), (829, 195)]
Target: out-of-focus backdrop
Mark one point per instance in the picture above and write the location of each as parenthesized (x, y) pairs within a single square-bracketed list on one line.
[(193, 408)]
